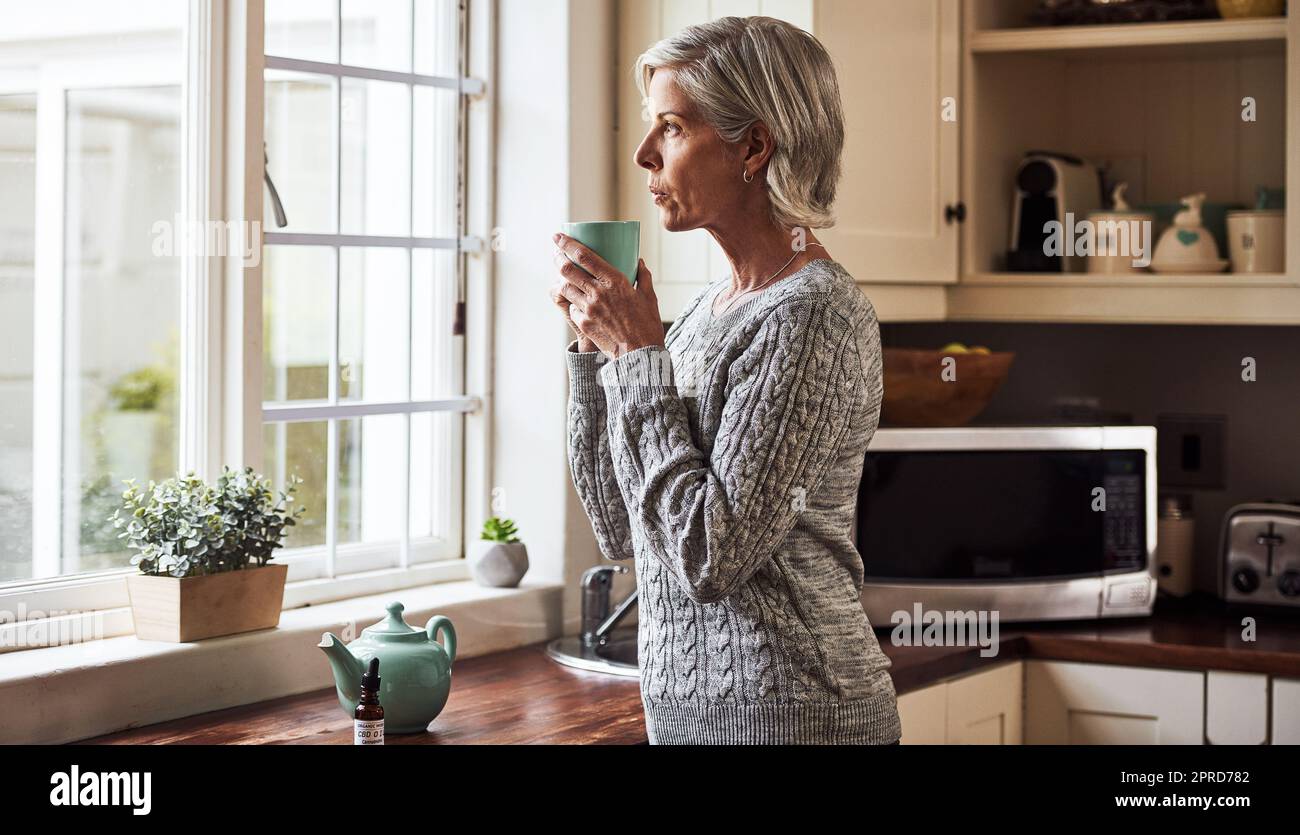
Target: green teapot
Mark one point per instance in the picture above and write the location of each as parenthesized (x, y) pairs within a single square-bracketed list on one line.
[(415, 669)]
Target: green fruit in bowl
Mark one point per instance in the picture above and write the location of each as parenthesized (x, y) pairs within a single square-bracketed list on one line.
[(954, 348)]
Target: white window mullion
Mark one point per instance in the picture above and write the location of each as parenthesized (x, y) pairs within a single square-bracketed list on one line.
[(199, 447), (241, 400), (471, 86), (332, 433), (47, 354)]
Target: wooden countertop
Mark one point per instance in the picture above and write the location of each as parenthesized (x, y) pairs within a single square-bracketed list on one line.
[(521, 696)]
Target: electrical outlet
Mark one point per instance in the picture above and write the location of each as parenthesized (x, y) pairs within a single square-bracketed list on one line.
[(1190, 450)]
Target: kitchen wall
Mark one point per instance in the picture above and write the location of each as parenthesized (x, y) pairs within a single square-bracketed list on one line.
[(555, 134), (1151, 370)]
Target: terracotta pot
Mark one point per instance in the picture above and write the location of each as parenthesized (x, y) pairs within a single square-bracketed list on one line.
[(193, 608), (500, 564)]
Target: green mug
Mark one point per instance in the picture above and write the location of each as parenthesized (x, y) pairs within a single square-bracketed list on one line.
[(617, 241)]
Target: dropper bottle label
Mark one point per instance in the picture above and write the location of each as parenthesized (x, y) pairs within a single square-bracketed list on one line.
[(368, 718)]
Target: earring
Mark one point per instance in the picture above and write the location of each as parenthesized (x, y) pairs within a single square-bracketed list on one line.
[(749, 178)]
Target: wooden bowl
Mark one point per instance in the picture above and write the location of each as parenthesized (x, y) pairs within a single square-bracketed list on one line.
[(916, 393)]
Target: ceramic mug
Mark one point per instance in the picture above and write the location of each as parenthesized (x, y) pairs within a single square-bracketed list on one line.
[(1256, 241), (617, 241)]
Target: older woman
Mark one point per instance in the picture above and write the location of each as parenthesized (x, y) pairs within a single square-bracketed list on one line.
[(724, 456)]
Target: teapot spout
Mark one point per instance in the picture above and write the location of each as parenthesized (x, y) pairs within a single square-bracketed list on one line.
[(346, 666)]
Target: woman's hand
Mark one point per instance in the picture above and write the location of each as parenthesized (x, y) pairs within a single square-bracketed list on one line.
[(585, 345), (603, 306)]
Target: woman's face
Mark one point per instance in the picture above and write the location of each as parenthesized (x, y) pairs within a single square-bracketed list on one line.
[(694, 174)]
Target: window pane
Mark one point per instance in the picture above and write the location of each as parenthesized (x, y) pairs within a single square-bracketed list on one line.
[(434, 175), (431, 476), (437, 37), (300, 449), (377, 33), (17, 262), (376, 164), (433, 304), (120, 404), (300, 150), (301, 29), (297, 294), (373, 320), (372, 467)]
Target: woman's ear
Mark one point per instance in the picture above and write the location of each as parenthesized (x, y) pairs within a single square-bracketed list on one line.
[(760, 145)]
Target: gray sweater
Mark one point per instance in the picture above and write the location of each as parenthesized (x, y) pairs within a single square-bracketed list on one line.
[(727, 466)]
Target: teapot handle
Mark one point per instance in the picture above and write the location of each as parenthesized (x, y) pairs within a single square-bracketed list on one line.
[(439, 623)]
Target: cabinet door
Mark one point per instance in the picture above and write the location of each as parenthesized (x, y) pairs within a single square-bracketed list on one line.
[(987, 708), (895, 64), (924, 715), (682, 262), (1286, 711), (1236, 708), (1072, 703)]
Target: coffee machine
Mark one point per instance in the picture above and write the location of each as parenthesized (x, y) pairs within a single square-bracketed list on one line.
[(1049, 186)]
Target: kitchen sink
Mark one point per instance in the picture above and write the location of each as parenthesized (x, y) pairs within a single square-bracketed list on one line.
[(601, 647), (617, 656)]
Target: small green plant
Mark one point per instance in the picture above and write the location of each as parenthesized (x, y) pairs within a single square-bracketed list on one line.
[(141, 390), (185, 527), (499, 530)]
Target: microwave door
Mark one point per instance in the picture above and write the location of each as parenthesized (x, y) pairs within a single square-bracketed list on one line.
[(998, 516)]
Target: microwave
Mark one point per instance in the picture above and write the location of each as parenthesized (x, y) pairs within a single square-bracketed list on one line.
[(1035, 523)]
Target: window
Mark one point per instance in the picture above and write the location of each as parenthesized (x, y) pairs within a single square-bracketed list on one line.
[(118, 360), (362, 362), (90, 158)]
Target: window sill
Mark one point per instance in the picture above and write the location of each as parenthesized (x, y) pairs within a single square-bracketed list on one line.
[(73, 692)]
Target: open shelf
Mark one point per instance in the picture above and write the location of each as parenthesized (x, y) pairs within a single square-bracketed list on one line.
[(1173, 303), (1189, 37), (1224, 279)]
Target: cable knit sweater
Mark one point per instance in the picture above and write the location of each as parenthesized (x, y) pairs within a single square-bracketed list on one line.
[(727, 466)]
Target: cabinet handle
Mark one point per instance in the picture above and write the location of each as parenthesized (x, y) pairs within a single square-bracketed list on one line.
[(955, 212)]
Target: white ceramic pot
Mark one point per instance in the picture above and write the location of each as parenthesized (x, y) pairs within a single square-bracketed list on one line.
[(1122, 233), (1257, 241), (499, 564)]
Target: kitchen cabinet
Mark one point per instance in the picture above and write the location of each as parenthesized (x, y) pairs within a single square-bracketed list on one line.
[(924, 715), (1042, 702), (899, 172), (1286, 711), (983, 708), (683, 262), (896, 63), (1236, 708), (1160, 104), (1074, 703)]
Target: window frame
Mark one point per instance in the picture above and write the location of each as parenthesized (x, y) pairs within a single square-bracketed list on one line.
[(221, 406)]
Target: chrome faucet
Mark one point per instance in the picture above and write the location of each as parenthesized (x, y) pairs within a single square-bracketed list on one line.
[(597, 622)]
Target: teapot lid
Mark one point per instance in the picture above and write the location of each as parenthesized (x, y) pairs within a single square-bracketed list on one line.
[(394, 626)]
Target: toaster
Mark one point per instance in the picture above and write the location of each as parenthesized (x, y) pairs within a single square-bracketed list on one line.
[(1260, 548), (1050, 187)]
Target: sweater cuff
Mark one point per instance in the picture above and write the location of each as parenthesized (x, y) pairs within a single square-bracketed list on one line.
[(584, 367), (642, 375)]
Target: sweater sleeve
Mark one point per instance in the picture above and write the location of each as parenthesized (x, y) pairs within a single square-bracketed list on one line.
[(589, 457), (714, 519)]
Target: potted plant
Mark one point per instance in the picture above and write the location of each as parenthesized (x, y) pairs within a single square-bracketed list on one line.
[(503, 563), (204, 554)]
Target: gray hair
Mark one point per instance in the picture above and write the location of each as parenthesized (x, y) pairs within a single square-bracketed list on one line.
[(742, 70)]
